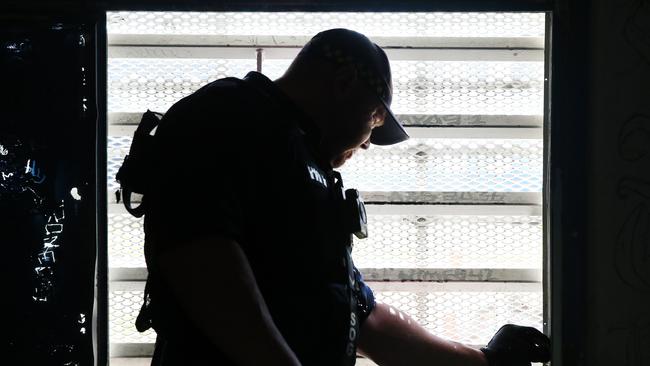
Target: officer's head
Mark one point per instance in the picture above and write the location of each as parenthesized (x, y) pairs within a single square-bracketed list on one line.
[(343, 81)]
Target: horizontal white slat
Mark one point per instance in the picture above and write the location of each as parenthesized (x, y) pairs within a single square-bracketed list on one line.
[(397, 274), (422, 197), (123, 358), (475, 133), (128, 274), (452, 274), (413, 120), (455, 197), (423, 209), (419, 132), (431, 210), (238, 52), (299, 41), (139, 350), (386, 286)]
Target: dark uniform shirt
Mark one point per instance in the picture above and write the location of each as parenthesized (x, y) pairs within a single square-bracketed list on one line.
[(237, 159)]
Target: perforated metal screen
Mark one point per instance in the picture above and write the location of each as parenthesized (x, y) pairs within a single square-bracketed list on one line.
[(398, 241), (307, 24), (125, 241), (448, 165), (420, 87), (428, 165), (445, 241), (470, 317)]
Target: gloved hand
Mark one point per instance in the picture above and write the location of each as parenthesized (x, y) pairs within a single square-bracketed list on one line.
[(514, 345)]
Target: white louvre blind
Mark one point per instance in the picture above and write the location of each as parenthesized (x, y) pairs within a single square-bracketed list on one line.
[(454, 213)]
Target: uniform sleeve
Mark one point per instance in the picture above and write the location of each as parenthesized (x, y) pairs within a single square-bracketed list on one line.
[(365, 297)]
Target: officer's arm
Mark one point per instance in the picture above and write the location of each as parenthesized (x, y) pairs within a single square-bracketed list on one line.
[(215, 285), (390, 337)]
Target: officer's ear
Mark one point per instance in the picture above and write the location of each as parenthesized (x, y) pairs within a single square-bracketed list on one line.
[(345, 81)]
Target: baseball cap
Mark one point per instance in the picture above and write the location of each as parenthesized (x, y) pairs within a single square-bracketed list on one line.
[(347, 47)]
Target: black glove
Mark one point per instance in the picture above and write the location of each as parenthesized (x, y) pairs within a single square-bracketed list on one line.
[(514, 345)]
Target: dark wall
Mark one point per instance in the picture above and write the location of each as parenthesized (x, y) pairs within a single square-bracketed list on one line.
[(619, 188), (48, 191)]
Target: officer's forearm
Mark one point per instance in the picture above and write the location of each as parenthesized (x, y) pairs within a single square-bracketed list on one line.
[(390, 337), (215, 285)]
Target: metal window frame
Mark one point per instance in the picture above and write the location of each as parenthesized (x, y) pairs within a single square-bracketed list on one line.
[(552, 270), (101, 320)]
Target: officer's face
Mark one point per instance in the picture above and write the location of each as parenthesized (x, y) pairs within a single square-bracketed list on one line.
[(354, 131), (349, 113)]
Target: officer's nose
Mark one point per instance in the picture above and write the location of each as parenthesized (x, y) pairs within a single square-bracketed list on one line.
[(366, 144)]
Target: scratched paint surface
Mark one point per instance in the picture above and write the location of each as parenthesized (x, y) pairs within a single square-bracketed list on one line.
[(47, 215)]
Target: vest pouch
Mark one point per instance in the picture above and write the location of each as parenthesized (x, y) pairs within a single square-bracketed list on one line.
[(134, 172)]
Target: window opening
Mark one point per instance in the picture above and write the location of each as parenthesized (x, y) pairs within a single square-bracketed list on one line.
[(455, 213)]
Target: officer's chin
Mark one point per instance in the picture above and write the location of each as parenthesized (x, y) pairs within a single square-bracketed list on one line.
[(339, 160)]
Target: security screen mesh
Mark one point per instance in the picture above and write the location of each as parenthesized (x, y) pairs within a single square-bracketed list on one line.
[(446, 241), (448, 165), (459, 87), (420, 87), (470, 317), (442, 165), (135, 85), (126, 241), (398, 241), (308, 24), (467, 317), (123, 310)]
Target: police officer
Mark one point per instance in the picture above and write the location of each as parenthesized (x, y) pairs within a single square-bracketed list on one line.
[(248, 227)]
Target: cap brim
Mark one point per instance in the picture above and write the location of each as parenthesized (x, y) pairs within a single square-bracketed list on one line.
[(391, 132)]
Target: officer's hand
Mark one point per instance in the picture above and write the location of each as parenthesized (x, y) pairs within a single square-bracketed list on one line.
[(515, 345)]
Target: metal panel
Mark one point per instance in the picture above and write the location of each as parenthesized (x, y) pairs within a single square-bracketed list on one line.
[(286, 29), (414, 132), (234, 52), (428, 120)]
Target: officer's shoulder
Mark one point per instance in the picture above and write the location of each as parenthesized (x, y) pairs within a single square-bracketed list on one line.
[(228, 106)]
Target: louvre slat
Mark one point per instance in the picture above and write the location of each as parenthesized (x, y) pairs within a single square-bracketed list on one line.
[(175, 40), (414, 132), (288, 53), (423, 210), (124, 119), (396, 274)]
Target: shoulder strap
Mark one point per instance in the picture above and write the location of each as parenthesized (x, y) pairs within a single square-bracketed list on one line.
[(132, 175)]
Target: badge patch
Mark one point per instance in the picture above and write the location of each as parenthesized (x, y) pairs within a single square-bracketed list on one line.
[(316, 175)]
